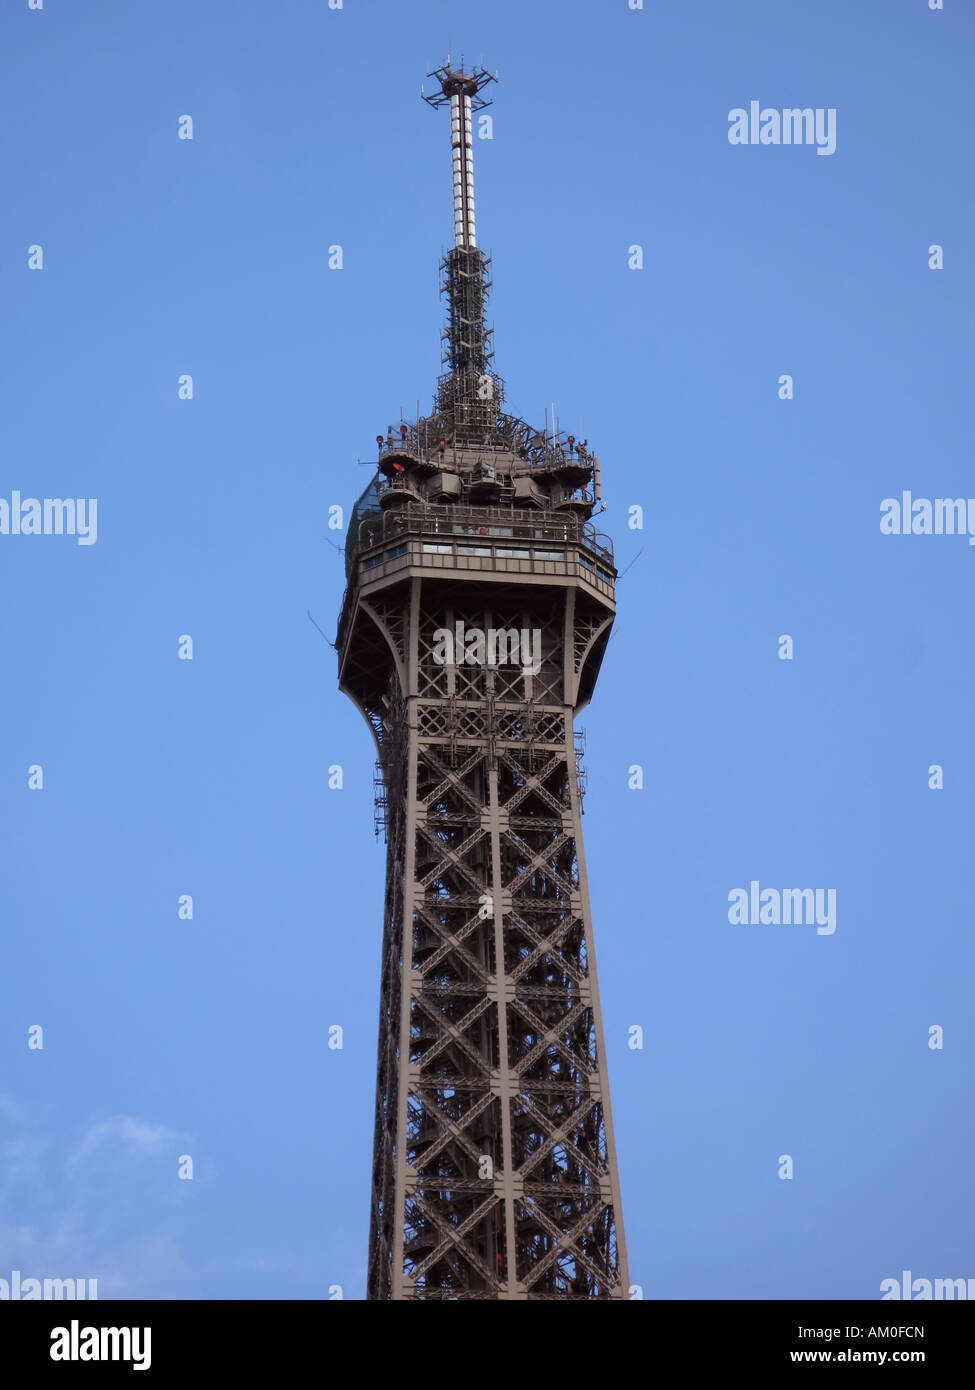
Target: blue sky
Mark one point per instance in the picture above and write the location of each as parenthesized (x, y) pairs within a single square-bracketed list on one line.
[(162, 777)]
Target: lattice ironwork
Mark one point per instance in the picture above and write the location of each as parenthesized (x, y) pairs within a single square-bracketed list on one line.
[(494, 1172), (494, 1175)]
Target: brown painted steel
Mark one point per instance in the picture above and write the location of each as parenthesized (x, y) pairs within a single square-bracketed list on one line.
[(494, 1169)]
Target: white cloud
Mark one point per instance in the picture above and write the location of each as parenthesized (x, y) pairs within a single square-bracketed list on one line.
[(127, 1137), (111, 1208)]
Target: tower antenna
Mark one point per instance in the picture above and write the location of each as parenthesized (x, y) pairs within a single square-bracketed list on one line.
[(470, 393)]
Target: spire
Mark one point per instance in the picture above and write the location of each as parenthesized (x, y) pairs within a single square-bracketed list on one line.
[(462, 90), (469, 391)]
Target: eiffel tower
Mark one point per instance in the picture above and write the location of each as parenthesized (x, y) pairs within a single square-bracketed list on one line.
[(478, 607)]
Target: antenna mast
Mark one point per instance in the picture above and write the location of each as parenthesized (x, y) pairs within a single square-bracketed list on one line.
[(469, 393)]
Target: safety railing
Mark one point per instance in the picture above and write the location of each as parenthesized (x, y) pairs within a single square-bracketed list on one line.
[(497, 522)]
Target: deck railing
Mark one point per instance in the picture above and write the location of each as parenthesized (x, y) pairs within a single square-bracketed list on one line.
[(498, 522)]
